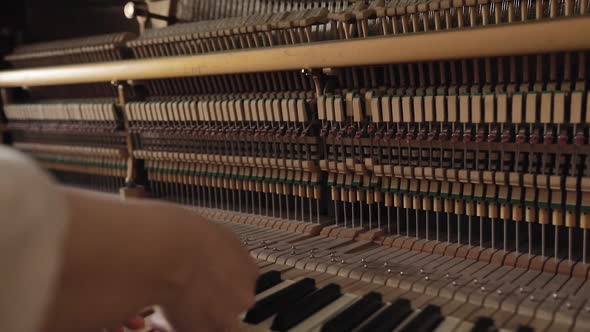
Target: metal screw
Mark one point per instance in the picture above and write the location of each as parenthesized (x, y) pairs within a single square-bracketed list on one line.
[(532, 298), (342, 261), (401, 273), (454, 283), (426, 278), (365, 266), (499, 291), (475, 281), (555, 296), (568, 305), (421, 271), (389, 271), (482, 288), (385, 264)]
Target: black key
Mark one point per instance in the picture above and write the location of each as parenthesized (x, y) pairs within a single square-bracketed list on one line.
[(280, 300), (524, 328), (355, 314), (306, 307), (427, 320), (484, 324), (390, 317), (267, 280)]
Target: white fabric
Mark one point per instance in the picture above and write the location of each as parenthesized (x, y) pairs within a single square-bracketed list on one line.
[(33, 220)]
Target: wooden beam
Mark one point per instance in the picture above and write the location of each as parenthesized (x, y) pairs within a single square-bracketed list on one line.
[(567, 34)]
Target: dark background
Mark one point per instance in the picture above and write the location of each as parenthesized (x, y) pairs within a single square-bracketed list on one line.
[(39, 20), (29, 21)]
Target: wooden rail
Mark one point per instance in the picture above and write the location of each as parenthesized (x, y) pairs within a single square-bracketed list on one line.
[(567, 34)]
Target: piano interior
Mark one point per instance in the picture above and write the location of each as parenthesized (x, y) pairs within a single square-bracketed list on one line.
[(391, 165)]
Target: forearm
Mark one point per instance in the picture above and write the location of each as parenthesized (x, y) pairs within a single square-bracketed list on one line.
[(136, 255)]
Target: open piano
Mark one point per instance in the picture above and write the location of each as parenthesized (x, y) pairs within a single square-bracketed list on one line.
[(391, 165)]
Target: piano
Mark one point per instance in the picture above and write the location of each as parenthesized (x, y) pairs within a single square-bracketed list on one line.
[(391, 165)]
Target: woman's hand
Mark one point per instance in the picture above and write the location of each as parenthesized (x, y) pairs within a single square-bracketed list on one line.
[(221, 284), (121, 257)]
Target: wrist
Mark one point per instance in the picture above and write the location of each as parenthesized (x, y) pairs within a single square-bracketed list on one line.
[(175, 254)]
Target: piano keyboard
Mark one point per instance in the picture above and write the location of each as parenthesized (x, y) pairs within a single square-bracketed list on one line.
[(465, 295), (304, 301)]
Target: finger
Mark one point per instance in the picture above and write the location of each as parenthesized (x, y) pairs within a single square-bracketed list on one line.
[(147, 312), (246, 300), (135, 323), (158, 328)]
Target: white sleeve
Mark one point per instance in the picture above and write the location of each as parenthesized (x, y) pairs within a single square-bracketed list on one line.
[(33, 220)]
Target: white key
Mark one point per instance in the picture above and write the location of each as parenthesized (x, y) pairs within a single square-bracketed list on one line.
[(464, 327), (370, 318), (273, 290), (265, 324), (314, 323), (408, 319), (448, 324)]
